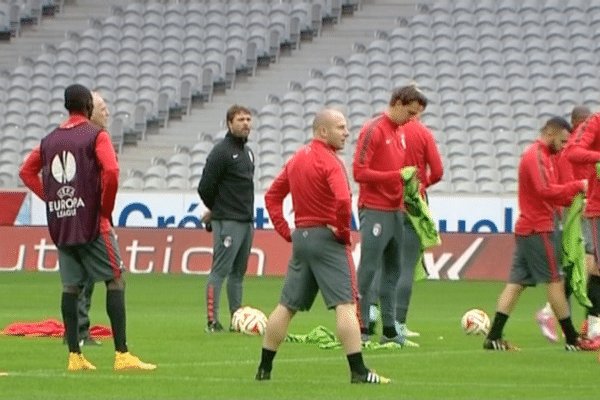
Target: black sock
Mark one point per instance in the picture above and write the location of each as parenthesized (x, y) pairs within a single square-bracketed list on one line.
[(593, 292), (569, 330), (266, 359), (497, 326), (389, 331), (69, 313), (115, 307), (356, 363)]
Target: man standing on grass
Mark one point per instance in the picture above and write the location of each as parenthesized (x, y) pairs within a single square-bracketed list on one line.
[(316, 179), (378, 159), (569, 171), (227, 190), (585, 154), (79, 184), (99, 118), (537, 256)]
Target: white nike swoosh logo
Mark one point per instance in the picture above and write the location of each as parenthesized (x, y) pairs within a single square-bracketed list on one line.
[(235, 156), (388, 141)]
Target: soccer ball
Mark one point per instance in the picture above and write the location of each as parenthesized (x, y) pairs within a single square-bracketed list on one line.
[(475, 322), (250, 321)]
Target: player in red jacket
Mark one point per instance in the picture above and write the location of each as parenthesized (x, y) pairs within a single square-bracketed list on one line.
[(585, 154), (569, 171), (378, 159), (79, 181), (316, 179), (538, 247)]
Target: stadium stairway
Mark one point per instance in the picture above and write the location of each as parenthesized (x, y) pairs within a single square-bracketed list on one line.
[(334, 41)]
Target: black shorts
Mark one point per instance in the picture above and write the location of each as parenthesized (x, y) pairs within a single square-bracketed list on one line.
[(99, 260), (537, 259), (318, 262)]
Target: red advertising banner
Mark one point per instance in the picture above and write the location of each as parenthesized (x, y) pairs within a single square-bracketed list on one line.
[(189, 251), (10, 204)]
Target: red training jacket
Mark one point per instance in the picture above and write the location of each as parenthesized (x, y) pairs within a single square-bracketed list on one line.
[(578, 170), (540, 193), (316, 178), (378, 158), (586, 151), (422, 152), (107, 159)]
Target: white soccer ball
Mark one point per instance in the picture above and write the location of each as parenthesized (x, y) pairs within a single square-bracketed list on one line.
[(249, 321), (475, 322)]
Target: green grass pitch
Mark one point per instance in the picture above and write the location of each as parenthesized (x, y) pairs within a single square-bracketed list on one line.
[(166, 321)]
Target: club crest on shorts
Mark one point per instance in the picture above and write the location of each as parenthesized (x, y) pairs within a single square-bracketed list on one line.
[(377, 229), (227, 241)]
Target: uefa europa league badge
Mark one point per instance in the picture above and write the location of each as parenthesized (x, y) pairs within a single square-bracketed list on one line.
[(227, 241), (377, 229)]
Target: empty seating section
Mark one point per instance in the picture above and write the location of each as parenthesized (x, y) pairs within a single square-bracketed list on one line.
[(149, 61), (493, 73), (492, 70)]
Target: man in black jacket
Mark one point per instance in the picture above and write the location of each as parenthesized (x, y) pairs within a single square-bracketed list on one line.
[(227, 190)]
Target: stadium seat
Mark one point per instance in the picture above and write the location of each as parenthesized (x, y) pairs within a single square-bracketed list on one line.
[(133, 183), (458, 149), (442, 187), (487, 175), (460, 173), (485, 162), (491, 187), (465, 187)]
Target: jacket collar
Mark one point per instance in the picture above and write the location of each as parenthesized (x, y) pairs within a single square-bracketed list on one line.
[(237, 140), (321, 143), (73, 120)]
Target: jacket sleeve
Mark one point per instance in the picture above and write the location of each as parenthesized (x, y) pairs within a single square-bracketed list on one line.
[(109, 175), (211, 177), (560, 194), (30, 170), (274, 197), (582, 152), (365, 151), (565, 169), (434, 160), (338, 183)]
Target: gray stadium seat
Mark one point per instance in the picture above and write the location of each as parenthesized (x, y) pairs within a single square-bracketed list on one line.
[(491, 188)]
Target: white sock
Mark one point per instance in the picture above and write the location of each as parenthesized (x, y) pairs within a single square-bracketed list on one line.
[(593, 326), (373, 313), (547, 309)]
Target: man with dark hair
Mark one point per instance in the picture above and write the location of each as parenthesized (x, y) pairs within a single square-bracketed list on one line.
[(378, 159), (79, 183), (227, 190), (422, 153), (569, 171), (99, 117), (538, 240), (316, 179)]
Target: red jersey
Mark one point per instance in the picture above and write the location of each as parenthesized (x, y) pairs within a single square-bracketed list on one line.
[(422, 152), (586, 152), (316, 178), (540, 193), (378, 158), (107, 159)]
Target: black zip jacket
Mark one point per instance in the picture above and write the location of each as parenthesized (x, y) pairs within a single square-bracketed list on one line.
[(227, 186)]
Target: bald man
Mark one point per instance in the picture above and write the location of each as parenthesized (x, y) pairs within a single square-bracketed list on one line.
[(321, 259)]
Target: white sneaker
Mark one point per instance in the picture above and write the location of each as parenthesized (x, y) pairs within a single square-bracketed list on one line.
[(404, 331)]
